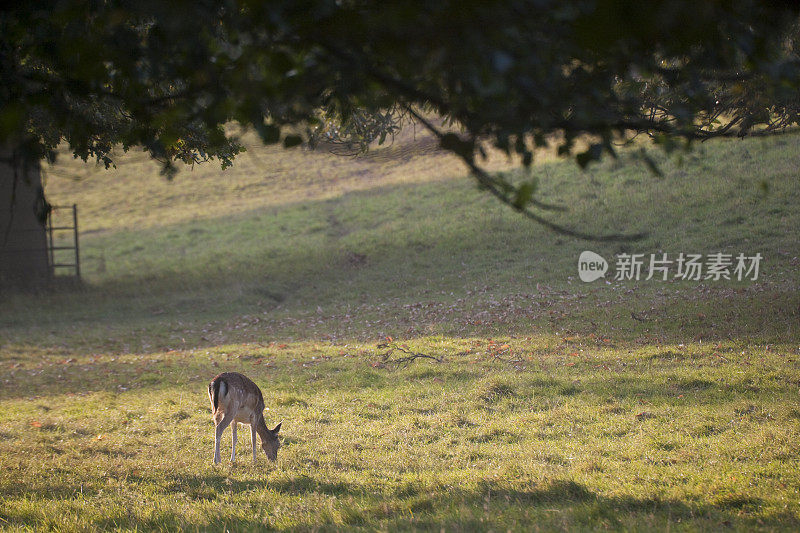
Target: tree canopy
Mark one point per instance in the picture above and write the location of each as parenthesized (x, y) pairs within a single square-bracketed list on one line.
[(168, 76)]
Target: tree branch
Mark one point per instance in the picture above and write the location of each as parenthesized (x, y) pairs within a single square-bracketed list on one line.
[(486, 181)]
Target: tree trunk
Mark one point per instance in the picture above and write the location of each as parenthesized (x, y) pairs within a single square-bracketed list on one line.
[(23, 212)]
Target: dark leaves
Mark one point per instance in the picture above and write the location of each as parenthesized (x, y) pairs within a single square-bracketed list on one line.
[(454, 143), (594, 153), (292, 140), (269, 133)]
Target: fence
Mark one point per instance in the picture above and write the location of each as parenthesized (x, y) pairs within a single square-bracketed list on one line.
[(62, 237)]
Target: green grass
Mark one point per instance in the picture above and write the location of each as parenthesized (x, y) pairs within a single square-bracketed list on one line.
[(545, 433), (558, 405), (173, 267)]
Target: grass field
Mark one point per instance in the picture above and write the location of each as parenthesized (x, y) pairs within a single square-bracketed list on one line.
[(556, 405)]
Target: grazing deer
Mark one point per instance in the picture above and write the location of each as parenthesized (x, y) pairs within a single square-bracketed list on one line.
[(237, 400)]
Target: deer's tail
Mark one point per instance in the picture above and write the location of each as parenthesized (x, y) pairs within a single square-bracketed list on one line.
[(216, 388)]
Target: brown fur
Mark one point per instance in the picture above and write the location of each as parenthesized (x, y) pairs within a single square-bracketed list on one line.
[(235, 399)]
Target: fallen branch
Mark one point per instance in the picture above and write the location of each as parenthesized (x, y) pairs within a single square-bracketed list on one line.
[(406, 360)]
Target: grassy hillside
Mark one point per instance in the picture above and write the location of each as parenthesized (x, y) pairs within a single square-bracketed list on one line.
[(557, 405), (325, 235)]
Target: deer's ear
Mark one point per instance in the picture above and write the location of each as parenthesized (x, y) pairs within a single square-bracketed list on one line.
[(277, 429)]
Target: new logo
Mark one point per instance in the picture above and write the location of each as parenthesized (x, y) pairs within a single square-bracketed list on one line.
[(591, 266)]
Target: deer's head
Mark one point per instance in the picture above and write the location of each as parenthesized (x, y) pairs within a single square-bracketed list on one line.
[(271, 444)]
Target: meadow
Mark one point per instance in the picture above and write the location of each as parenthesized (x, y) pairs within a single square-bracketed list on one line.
[(554, 404)]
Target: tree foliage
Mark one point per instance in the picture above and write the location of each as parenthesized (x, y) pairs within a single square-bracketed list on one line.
[(168, 76)]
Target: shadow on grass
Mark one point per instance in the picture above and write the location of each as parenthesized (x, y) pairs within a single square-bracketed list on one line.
[(490, 506), (555, 505), (643, 380), (116, 377)]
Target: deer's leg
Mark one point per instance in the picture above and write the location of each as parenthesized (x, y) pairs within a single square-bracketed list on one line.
[(221, 423), (253, 439), (233, 451)]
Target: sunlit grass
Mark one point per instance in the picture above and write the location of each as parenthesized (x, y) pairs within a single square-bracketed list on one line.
[(510, 433), (558, 405)]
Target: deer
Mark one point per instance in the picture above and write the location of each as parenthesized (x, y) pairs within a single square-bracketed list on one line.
[(235, 399)]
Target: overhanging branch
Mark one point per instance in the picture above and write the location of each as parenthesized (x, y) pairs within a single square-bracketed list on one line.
[(486, 181)]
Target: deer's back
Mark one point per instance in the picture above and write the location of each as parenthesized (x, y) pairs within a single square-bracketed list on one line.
[(242, 396)]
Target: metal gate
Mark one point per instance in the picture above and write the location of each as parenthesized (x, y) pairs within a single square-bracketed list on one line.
[(63, 249)]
